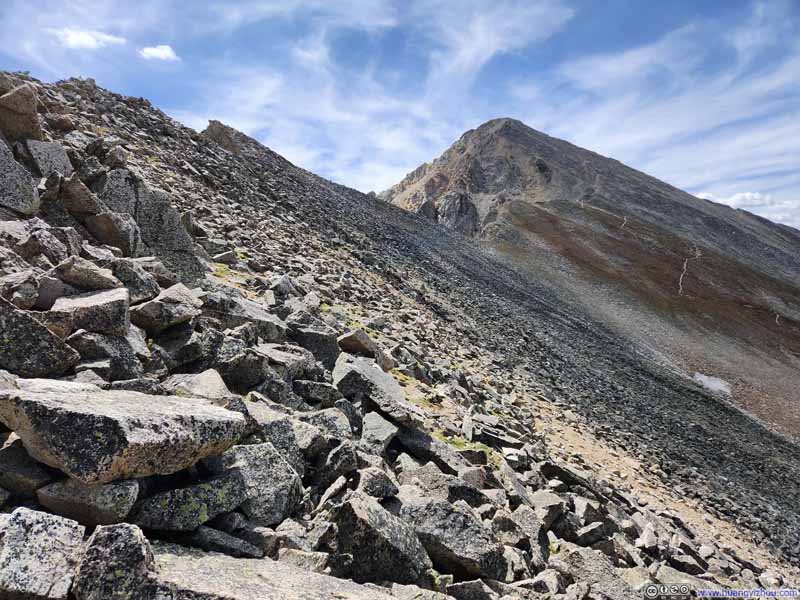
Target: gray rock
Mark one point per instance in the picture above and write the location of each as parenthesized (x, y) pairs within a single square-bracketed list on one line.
[(586, 565), (119, 351), (208, 385), (50, 290), (81, 273), (375, 482), (99, 504), (456, 540), (28, 348), (443, 486), (383, 547), (548, 506), (186, 508), (316, 562), (48, 158), (78, 200), (173, 306), (316, 392), (538, 546), (316, 336), (277, 428), (423, 447), (116, 565), (330, 420), (214, 540), (272, 488), (99, 437), (290, 362), (41, 243), (376, 433), (19, 473), (38, 556), (116, 229), (105, 311), (471, 590), (16, 188), (233, 311), (141, 284), (19, 117), (359, 377), (184, 574)]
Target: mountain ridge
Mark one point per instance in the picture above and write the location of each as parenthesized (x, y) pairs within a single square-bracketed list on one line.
[(636, 249)]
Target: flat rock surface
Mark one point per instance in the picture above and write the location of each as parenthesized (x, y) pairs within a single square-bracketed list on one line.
[(104, 436), (190, 574)]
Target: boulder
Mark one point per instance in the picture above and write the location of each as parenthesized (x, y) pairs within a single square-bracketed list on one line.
[(81, 273), (376, 433), (423, 447), (78, 200), (141, 284), (182, 573), (19, 117), (98, 504), (208, 385), (19, 473), (38, 555), (40, 244), (104, 311), (384, 548), (215, 540), (98, 437), (587, 565), (233, 311), (116, 565), (173, 306), (17, 191), (456, 539), (376, 483), (316, 392), (116, 229), (288, 361), (48, 158), (359, 377), (186, 508), (28, 348), (272, 488), (121, 353), (314, 335)]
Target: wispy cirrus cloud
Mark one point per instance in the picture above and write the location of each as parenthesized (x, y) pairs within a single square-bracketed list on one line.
[(88, 40), (363, 91)]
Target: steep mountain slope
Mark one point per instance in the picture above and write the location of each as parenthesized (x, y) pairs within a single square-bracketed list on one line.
[(714, 290), (336, 385)]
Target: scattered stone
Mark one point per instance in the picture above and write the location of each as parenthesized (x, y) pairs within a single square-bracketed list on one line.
[(376, 433), (81, 273), (116, 229), (19, 473), (214, 540)]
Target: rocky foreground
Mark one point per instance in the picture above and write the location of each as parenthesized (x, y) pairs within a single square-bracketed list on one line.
[(214, 403)]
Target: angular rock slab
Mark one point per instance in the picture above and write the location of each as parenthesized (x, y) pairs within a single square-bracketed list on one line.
[(38, 556), (358, 376), (173, 306), (384, 548), (183, 574), (19, 119), (28, 348), (117, 565), (185, 509), (273, 488), (104, 436), (105, 311), (102, 504), (16, 188)]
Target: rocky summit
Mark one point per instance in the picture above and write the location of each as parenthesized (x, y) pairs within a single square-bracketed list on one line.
[(224, 377)]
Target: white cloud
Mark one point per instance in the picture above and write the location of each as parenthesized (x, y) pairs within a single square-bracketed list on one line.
[(160, 52), (741, 199), (84, 39)]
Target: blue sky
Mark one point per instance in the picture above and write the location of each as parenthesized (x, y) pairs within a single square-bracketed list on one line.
[(702, 94)]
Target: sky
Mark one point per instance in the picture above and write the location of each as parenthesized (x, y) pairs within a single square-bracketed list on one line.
[(702, 94)]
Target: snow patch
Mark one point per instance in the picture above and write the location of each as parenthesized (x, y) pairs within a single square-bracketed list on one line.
[(713, 384)]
